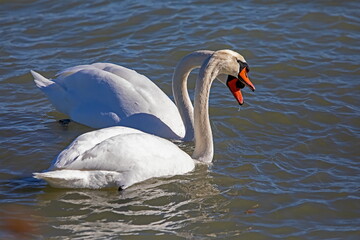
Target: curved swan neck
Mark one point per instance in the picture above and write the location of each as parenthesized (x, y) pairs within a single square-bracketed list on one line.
[(180, 90), (204, 148)]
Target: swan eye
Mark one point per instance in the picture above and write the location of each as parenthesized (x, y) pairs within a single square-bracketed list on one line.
[(243, 65)]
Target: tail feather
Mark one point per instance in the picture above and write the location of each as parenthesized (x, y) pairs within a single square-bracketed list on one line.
[(54, 91), (81, 179), (41, 81)]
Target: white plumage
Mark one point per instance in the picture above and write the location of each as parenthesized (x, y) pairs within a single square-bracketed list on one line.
[(122, 156), (103, 94), (116, 156)]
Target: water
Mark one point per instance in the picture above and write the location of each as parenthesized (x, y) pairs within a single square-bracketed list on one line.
[(285, 167)]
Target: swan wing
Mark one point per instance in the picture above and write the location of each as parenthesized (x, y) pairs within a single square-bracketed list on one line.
[(113, 82), (86, 142), (104, 94), (131, 156)]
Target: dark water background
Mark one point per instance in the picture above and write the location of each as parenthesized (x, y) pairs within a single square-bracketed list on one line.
[(286, 165)]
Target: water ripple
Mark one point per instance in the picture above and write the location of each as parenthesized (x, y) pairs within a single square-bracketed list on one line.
[(286, 165)]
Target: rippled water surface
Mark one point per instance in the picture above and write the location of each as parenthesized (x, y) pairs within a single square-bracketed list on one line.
[(286, 165)]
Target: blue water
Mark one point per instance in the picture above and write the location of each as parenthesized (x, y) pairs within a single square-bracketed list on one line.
[(286, 165)]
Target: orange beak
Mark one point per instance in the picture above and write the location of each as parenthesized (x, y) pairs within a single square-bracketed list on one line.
[(235, 85), (243, 76)]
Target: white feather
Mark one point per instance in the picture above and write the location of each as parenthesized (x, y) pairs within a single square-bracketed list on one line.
[(116, 156)]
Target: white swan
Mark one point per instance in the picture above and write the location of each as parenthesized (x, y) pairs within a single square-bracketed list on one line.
[(103, 95), (122, 156)]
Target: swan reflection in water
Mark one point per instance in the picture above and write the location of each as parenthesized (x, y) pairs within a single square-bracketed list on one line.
[(162, 205)]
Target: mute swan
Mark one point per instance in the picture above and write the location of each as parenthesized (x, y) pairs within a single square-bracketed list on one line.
[(103, 95), (122, 156)]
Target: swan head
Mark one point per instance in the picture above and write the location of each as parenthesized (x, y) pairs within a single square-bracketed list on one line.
[(236, 68)]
